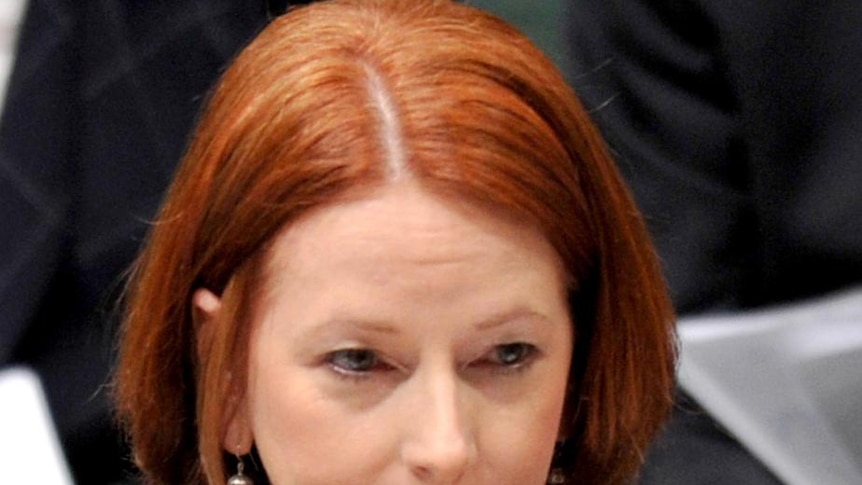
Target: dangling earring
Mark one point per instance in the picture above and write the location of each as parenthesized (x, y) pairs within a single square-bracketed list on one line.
[(557, 476), (239, 478)]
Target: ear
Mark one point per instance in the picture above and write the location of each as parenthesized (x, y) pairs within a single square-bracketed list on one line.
[(206, 310), (206, 307), (206, 302), (238, 437)]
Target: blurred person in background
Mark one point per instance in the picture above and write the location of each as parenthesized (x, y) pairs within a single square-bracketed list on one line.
[(99, 106), (739, 127)]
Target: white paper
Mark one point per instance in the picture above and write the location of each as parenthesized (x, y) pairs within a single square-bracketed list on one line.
[(11, 16), (30, 451), (787, 382)]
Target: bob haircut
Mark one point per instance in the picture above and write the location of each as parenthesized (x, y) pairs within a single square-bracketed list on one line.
[(331, 101)]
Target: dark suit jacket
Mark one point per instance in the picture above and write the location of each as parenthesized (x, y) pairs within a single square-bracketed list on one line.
[(99, 105), (739, 127)]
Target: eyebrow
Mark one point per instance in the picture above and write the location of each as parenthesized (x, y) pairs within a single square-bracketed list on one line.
[(386, 328), (374, 326), (519, 313)]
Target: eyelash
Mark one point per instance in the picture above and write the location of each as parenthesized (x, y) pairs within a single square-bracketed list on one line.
[(354, 374), (528, 354)]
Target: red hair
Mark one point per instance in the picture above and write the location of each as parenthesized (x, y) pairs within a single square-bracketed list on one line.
[(343, 96)]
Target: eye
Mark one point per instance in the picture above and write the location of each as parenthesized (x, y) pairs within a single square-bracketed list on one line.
[(355, 361), (513, 355)]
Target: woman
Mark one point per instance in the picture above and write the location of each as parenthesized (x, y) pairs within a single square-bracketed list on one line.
[(397, 251)]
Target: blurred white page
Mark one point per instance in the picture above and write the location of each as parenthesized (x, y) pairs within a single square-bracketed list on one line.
[(29, 449), (11, 16), (787, 382)]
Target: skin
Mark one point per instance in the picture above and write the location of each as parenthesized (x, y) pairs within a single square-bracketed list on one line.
[(405, 338)]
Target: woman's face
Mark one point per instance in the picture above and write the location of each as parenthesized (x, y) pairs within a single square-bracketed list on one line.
[(404, 338)]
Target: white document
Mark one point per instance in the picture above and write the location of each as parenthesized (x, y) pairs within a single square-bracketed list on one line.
[(30, 451), (787, 382), (11, 16)]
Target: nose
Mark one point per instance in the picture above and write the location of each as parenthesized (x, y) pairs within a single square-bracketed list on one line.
[(439, 447)]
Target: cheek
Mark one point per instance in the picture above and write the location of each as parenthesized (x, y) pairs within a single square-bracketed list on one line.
[(519, 452), (298, 428), (519, 443), (287, 422)]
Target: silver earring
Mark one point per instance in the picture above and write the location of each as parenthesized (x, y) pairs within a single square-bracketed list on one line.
[(556, 477), (239, 478)]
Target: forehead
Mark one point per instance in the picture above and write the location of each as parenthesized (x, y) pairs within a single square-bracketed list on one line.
[(402, 229), (409, 217)]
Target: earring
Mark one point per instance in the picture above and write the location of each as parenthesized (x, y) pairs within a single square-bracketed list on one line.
[(239, 478), (556, 477)]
